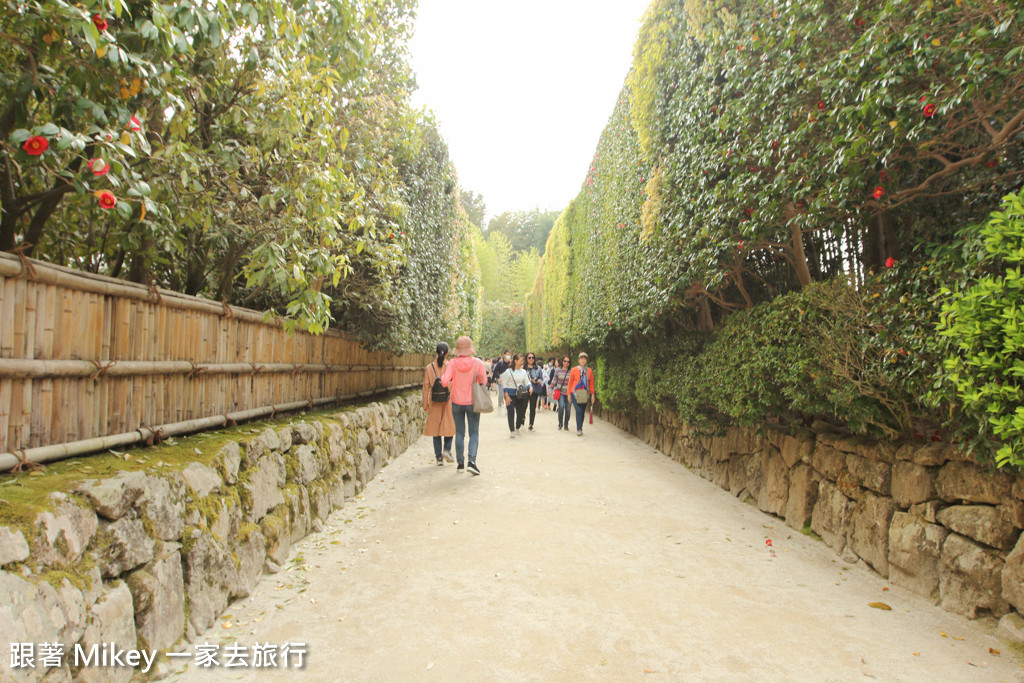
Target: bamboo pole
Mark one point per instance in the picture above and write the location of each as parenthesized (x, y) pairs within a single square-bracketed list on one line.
[(62, 451)]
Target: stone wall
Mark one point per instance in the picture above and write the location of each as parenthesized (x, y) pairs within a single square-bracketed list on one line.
[(925, 516), (147, 559)]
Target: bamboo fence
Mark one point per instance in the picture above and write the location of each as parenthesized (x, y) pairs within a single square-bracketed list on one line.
[(89, 362)]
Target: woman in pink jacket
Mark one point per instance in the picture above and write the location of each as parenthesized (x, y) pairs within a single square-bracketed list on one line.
[(460, 375)]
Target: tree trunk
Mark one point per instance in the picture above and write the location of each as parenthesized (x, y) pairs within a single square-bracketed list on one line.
[(803, 273)]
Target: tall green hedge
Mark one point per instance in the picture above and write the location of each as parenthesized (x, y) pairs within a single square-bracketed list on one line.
[(777, 174)]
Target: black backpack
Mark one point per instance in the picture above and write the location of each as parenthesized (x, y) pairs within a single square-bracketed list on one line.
[(438, 393)]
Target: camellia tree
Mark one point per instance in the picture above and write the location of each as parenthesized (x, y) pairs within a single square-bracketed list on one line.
[(260, 153)]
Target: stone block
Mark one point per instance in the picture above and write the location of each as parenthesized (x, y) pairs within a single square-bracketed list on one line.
[(276, 530), (265, 442), (209, 572), (929, 455), (970, 580), (285, 435), (201, 479), (915, 547), (162, 504), (66, 531), (832, 518), (1013, 576), (228, 461), (263, 488), (872, 517), (39, 613), (803, 494), (307, 464), (964, 482), (111, 620), (911, 484), (1011, 628), (113, 497), (13, 546), (983, 523), (738, 474), (848, 485), (228, 520), (928, 511), (122, 546), (250, 552), (796, 449), (829, 462), (303, 432), (774, 492), (875, 475), (158, 594), (299, 519)]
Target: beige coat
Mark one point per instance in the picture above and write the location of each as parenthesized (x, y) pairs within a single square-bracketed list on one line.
[(439, 415)]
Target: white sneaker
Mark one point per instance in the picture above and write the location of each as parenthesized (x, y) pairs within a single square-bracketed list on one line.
[(517, 432), (511, 435), (447, 455)]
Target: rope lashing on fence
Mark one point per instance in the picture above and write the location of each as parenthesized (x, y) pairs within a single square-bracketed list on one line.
[(27, 269), (154, 291), (227, 313), (310, 404), (155, 435), (24, 464), (295, 370), (255, 369), (101, 369), (229, 421), (196, 370)]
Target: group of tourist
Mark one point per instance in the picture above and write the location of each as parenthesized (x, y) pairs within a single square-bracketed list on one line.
[(522, 384)]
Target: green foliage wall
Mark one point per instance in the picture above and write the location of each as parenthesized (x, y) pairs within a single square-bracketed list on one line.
[(263, 153), (774, 175)]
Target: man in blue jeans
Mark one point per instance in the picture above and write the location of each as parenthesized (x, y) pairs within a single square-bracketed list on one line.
[(581, 378)]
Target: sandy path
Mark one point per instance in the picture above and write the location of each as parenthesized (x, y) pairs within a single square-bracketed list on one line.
[(584, 558)]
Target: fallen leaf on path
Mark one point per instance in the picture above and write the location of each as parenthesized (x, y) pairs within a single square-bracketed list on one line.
[(885, 588), (943, 634), (879, 605), (993, 651), (918, 654), (430, 666), (227, 624)]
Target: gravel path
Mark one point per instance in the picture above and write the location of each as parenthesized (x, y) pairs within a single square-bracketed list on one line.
[(584, 558)]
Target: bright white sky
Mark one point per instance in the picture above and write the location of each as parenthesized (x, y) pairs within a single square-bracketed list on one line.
[(522, 90)]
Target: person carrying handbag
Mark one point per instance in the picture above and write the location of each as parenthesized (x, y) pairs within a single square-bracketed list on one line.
[(581, 379), (515, 391), (560, 392), (460, 374)]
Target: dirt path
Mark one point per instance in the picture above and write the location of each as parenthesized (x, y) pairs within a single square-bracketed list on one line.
[(584, 558)]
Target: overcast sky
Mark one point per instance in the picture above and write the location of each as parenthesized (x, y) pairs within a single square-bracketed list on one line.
[(522, 90)]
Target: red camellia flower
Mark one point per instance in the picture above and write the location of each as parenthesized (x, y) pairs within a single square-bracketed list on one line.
[(858, 22), (884, 176), (929, 110), (890, 262), (991, 164), (99, 22), (879, 191), (821, 105), (134, 124), (99, 166), (768, 541), (107, 199), (36, 145)]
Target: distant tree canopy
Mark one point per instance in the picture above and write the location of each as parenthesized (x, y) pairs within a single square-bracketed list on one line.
[(524, 229), (262, 153), (473, 203)]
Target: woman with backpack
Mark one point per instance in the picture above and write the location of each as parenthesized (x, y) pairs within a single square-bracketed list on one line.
[(460, 375), (515, 390), (438, 406)]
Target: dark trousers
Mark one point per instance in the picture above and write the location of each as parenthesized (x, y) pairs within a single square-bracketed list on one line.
[(437, 445), (533, 407), (515, 411)]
